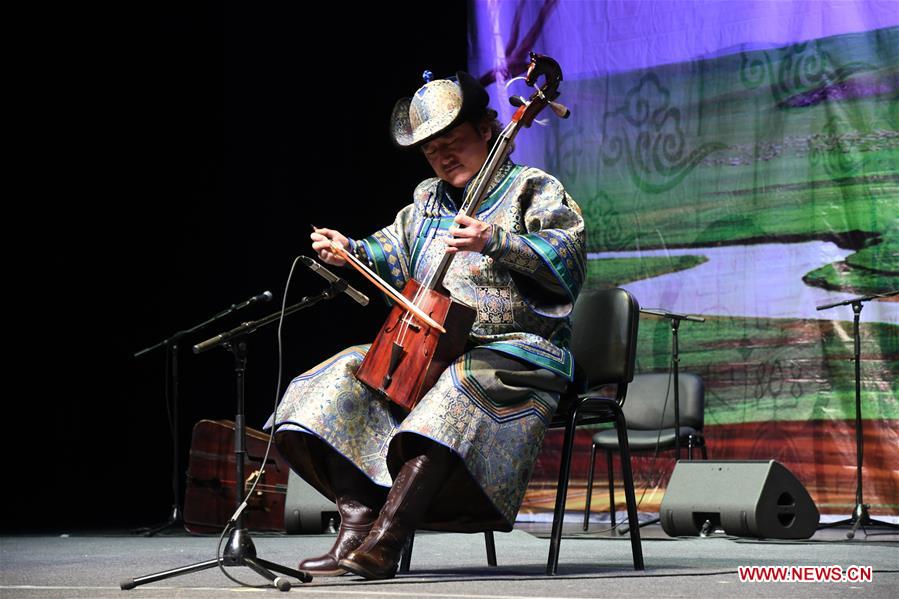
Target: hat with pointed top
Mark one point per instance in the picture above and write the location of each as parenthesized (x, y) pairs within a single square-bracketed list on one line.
[(435, 108)]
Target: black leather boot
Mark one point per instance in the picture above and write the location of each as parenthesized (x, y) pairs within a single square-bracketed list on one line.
[(358, 501), (407, 502)]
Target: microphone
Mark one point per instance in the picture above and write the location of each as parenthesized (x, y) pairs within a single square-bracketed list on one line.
[(672, 315), (209, 343), (329, 276), (265, 296), (858, 300)]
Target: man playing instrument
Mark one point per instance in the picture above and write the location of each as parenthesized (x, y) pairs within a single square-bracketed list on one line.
[(461, 459)]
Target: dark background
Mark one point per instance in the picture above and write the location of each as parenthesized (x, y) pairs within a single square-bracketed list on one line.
[(186, 149)]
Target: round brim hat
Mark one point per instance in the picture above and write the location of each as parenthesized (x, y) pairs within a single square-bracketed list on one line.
[(435, 108)]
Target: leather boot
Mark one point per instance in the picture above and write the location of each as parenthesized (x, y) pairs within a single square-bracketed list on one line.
[(356, 520), (407, 502), (358, 502)]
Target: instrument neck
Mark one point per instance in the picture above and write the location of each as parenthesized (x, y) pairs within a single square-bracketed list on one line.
[(476, 192)]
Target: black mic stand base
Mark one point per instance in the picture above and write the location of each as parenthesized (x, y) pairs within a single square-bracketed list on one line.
[(623, 530), (240, 551), (175, 520), (860, 518)]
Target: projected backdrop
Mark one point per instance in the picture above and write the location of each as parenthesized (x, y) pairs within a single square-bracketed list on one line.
[(739, 161)]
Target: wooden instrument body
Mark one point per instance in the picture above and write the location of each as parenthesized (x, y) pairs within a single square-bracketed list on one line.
[(405, 377), (209, 498)]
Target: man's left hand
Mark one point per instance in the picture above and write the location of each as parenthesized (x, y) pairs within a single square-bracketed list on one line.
[(471, 235)]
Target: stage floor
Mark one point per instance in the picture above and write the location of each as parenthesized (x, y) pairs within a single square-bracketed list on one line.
[(454, 565)]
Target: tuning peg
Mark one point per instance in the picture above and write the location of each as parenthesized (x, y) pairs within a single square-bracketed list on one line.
[(560, 109)]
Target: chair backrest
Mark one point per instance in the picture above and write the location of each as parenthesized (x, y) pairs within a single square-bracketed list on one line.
[(604, 336), (646, 400)]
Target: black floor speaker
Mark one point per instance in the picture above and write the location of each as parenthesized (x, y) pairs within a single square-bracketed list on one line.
[(306, 511), (744, 498)]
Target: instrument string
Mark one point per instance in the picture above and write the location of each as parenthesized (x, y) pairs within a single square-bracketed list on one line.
[(433, 217), (475, 190)]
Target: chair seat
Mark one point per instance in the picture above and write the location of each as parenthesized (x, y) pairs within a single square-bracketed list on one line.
[(608, 439)]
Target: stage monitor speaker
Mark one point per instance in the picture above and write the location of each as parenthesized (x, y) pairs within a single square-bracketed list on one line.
[(745, 498), (306, 511)]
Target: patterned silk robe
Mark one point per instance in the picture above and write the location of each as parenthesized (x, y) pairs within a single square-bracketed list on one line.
[(492, 405)]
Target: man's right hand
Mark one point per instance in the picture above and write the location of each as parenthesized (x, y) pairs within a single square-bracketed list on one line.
[(321, 243)]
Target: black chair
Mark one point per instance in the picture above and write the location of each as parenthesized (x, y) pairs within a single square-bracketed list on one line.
[(407, 551), (604, 344), (650, 424)]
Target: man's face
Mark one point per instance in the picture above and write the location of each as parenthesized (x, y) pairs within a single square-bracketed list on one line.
[(457, 156)]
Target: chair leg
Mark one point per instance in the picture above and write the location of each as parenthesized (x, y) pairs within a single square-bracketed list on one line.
[(611, 471), (407, 551), (628, 476), (552, 562), (701, 440), (589, 486), (691, 440), (491, 548), (407, 554)]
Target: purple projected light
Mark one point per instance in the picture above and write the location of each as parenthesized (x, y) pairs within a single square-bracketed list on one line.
[(597, 38), (601, 37)]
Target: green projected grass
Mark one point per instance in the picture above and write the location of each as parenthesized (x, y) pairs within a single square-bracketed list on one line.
[(788, 144), (775, 369), (805, 148), (605, 273), (840, 276), (883, 257), (747, 203), (874, 269)]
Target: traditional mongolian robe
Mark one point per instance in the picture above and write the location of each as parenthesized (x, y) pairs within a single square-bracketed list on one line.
[(492, 405)]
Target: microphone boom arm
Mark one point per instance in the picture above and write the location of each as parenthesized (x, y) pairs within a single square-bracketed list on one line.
[(331, 292)]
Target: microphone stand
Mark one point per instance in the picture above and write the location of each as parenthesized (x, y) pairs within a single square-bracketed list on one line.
[(172, 348), (675, 361), (860, 516), (240, 550)]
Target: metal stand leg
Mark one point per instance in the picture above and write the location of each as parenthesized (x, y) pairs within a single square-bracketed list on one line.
[(860, 517), (240, 550)]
